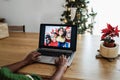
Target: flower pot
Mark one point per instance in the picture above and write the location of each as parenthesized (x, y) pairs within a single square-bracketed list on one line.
[(106, 44), (109, 52)]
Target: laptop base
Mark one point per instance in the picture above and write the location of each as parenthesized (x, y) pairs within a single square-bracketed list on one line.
[(51, 59)]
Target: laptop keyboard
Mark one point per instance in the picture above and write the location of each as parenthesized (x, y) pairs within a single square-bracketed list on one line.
[(55, 53)]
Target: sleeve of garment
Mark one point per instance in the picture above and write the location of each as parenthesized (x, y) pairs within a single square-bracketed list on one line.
[(6, 74)]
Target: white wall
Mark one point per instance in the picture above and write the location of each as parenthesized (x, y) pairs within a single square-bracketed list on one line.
[(107, 12), (31, 12)]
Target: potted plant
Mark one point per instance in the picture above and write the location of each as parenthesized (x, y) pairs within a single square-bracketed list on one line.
[(109, 48), (108, 35)]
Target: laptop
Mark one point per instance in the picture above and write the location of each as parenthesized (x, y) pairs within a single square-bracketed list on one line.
[(56, 40)]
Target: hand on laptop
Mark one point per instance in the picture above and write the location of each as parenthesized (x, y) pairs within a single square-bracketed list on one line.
[(32, 57), (62, 62)]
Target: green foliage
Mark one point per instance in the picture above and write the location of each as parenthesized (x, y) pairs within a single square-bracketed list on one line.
[(81, 15)]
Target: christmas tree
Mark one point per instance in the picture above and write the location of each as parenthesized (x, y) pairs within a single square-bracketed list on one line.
[(81, 16)]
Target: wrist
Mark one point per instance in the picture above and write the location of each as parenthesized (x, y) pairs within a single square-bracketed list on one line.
[(62, 68), (25, 62)]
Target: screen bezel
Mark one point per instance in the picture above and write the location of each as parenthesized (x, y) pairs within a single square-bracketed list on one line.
[(73, 36)]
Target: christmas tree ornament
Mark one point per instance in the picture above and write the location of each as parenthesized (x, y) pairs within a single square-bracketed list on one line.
[(65, 21), (72, 0)]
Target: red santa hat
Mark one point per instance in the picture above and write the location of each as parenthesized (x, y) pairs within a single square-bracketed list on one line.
[(68, 27)]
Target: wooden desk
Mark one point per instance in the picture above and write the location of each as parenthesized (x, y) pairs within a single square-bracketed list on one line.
[(84, 67)]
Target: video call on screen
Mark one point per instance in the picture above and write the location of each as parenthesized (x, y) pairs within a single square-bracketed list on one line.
[(57, 36)]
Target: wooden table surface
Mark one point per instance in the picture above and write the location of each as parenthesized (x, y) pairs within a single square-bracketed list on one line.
[(85, 66)]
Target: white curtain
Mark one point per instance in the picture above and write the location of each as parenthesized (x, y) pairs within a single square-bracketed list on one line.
[(107, 12)]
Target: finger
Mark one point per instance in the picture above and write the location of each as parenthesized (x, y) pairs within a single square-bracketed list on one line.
[(37, 54), (56, 60), (33, 52), (62, 56)]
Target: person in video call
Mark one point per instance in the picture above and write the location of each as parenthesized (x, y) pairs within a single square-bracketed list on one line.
[(54, 41), (8, 72), (48, 40), (61, 37), (51, 40), (68, 37)]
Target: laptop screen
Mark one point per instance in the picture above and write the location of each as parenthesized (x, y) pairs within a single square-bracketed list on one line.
[(58, 36)]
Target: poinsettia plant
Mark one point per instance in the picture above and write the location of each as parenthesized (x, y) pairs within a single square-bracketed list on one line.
[(109, 33)]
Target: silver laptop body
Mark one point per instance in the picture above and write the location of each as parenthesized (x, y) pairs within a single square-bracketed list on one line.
[(51, 59)]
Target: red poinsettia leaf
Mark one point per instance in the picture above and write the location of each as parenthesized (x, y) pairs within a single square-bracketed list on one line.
[(105, 30), (110, 28), (117, 31), (112, 35), (103, 36)]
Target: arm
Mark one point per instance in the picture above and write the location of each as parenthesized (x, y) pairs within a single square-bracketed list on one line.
[(61, 68), (32, 57), (6, 72)]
